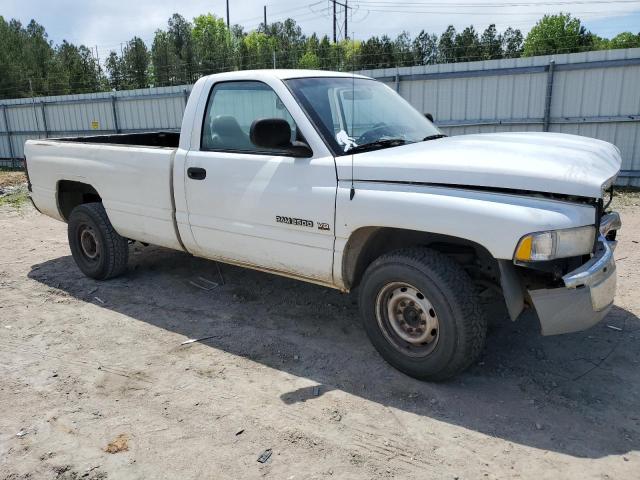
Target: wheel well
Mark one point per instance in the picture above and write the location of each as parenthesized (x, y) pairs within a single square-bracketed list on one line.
[(71, 194), (368, 243)]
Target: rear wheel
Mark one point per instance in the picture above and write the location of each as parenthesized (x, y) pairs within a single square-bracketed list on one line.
[(421, 313), (98, 250)]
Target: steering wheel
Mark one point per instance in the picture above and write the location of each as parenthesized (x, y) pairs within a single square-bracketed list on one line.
[(378, 131)]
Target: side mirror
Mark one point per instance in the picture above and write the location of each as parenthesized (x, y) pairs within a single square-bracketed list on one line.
[(275, 133), (429, 117)]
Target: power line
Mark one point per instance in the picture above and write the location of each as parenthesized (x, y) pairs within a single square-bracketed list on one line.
[(476, 12), (493, 4)]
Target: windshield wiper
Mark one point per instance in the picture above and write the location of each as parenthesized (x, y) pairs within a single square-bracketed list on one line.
[(389, 142), (434, 137)]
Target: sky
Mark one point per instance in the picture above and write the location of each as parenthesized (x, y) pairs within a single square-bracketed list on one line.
[(107, 24)]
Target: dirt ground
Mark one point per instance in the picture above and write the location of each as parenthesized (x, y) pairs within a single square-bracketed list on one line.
[(96, 384)]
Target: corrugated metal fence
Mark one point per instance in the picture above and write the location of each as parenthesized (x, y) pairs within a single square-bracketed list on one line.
[(87, 114), (596, 94)]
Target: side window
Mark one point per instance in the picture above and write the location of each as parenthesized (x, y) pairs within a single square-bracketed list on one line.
[(232, 108)]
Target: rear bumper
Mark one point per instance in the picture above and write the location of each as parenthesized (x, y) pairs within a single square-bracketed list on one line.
[(587, 296)]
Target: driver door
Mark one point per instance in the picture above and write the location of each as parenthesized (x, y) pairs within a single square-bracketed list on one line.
[(255, 207)]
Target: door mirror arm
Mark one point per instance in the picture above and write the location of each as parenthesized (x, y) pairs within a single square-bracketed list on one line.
[(299, 149)]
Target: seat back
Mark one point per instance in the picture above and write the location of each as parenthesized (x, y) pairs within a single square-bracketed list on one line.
[(224, 132)]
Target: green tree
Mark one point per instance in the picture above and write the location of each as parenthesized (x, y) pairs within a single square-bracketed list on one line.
[(625, 40), (425, 48), (212, 44), (370, 53), (446, 45), (350, 52), (31, 64), (491, 43), (289, 42), (325, 55), (237, 42), (182, 45), (403, 50), (467, 46), (559, 33), (115, 69), (163, 60), (309, 60), (12, 65), (80, 70), (258, 51), (27, 58), (38, 55), (135, 63), (512, 43), (386, 57)]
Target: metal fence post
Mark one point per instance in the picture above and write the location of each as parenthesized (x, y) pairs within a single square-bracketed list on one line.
[(549, 94), (6, 125), (114, 111), (397, 80), (44, 120), (185, 97)]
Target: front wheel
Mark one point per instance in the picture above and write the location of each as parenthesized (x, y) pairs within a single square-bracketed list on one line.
[(96, 247), (421, 313)]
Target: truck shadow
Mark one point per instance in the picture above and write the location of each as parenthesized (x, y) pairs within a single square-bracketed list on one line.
[(575, 394)]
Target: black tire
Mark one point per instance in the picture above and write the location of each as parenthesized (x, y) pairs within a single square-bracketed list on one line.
[(96, 247), (460, 323)]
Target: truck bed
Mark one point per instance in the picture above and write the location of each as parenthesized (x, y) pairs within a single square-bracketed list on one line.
[(160, 139), (131, 173)]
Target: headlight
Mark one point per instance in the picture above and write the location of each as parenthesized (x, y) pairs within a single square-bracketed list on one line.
[(569, 242)]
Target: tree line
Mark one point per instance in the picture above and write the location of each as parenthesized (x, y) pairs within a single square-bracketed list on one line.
[(32, 65)]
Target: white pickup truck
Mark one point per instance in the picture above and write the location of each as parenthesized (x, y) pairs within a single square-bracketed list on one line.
[(334, 179)]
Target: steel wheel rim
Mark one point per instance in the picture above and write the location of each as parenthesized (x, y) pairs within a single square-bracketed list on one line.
[(89, 243), (407, 319)]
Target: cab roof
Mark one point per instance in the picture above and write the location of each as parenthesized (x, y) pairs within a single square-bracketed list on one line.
[(282, 74)]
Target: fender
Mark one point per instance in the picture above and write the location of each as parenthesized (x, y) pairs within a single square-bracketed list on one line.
[(493, 220)]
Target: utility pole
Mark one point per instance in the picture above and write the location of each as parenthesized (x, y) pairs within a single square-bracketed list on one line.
[(228, 26), (265, 19), (346, 14), (334, 21)]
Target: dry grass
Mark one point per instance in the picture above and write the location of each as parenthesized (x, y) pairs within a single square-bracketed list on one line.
[(15, 183), (11, 178), (626, 197)]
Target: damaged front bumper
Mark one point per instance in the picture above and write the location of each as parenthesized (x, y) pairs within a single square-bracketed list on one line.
[(588, 292)]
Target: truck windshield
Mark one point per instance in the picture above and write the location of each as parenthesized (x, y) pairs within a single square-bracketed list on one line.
[(357, 114)]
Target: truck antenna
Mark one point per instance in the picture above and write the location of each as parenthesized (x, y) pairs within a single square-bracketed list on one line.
[(352, 192)]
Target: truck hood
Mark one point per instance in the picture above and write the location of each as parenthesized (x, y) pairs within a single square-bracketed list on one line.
[(541, 162)]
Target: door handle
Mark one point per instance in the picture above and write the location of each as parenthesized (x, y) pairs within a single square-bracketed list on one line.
[(196, 173)]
